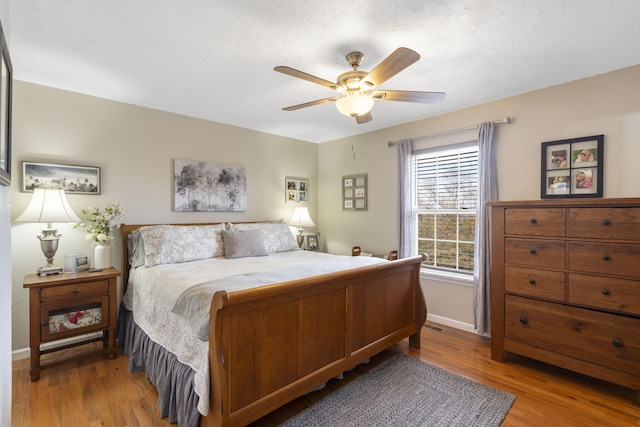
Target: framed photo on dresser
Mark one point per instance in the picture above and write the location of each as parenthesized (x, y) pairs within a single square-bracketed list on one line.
[(572, 168)]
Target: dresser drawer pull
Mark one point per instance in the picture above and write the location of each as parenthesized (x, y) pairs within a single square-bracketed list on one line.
[(606, 257), (532, 251), (532, 282), (524, 320), (533, 221), (76, 291), (606, 222), (618, 343), (605, 292)]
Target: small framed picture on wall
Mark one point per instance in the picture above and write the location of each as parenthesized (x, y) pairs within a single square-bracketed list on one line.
[(572, 167)]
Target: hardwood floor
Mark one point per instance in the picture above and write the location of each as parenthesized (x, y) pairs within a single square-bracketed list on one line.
[(101, 392)]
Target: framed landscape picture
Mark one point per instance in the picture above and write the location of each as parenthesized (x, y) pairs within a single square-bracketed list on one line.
[(71, 179), (572, 168)]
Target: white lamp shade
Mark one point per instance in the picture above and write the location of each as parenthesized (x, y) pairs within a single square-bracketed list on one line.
[(301, 218), (48, 206), (354, 103)]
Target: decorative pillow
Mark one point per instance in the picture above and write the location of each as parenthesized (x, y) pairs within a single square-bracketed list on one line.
[(172, 244), (135, 244), (277, 235), (240, 244)]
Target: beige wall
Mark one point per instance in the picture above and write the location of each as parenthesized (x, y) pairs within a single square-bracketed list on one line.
[(134, 147), (608, 104)]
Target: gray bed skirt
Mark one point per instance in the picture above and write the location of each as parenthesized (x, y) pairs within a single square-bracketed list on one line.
[(172, 379)]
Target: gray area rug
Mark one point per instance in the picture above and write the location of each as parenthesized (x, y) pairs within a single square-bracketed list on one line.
[(403, 391)]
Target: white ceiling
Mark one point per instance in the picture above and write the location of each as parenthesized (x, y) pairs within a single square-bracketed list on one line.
[(214, 59)]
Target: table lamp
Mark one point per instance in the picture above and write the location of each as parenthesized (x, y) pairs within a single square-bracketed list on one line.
[(300, 219), (48, 206)]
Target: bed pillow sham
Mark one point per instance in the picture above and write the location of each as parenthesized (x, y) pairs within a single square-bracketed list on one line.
[(172, 244), (246, 243), (277, 235), (135, 244)]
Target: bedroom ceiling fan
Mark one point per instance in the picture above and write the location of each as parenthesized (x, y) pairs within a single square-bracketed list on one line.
[(356, 86)]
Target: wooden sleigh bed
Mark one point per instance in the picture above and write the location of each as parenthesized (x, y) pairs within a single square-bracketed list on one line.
[(271, 344)]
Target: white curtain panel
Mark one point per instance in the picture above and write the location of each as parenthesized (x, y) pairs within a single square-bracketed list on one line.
[(405, 217)]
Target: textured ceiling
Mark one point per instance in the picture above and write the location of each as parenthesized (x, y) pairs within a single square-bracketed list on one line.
[(214, 59)]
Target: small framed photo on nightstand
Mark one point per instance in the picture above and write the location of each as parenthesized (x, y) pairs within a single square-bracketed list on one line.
[(312, 242)]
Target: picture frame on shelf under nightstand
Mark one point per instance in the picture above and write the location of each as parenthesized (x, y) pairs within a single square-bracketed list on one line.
[(572, 168), (312, 242)]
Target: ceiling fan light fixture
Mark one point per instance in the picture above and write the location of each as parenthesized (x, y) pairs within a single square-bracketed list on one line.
[(354, 103)]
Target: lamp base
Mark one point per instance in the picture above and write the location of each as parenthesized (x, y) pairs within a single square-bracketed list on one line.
[(45, 270), (300, 239)]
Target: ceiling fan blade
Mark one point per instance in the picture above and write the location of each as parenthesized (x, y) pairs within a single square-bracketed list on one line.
[(400, 59), (311, 103), (364, 118), (305, 76), (408, 96)]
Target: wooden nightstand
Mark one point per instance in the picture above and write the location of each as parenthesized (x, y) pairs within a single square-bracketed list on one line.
[(68, 305)]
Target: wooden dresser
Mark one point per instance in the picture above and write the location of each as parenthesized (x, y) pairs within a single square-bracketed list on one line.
[(565, 285)]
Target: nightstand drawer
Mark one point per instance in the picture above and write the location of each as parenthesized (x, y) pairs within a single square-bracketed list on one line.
[(63, 319), (59, 293)]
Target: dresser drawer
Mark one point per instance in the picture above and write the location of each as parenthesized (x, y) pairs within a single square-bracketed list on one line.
[(605, 292), (57, 293), (535, 222), (605, 339), (536, 283), (604, 223), (534, 253), (605, 258)]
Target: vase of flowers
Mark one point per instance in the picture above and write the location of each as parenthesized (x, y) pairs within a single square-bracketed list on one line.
[(99, 224)]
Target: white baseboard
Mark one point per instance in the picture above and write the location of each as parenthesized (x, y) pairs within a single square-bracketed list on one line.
[(22, 353), (451, 322), (25, 353)]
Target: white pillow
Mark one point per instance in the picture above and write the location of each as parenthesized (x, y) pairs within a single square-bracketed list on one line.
[(277, 235), (172, 244), (240, 244)]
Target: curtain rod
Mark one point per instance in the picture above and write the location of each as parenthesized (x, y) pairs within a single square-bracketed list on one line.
[(506, 120)]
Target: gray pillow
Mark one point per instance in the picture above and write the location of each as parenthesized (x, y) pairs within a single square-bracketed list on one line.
[(240, 244)]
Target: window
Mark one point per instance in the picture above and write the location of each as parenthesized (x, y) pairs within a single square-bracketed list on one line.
[(445, 192)]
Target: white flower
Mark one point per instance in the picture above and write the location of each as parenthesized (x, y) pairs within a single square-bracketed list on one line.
[(100, 222)]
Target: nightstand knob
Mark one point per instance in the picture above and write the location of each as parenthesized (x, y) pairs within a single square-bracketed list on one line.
[(606, 222), (533, 221), (618, 343), (606, 257), (524, 320), (532, 282), (45, 323), (605, 292), (76, 291), (532, 251)]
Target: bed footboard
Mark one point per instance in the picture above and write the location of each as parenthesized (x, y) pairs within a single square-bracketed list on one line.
[(276, 343)]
